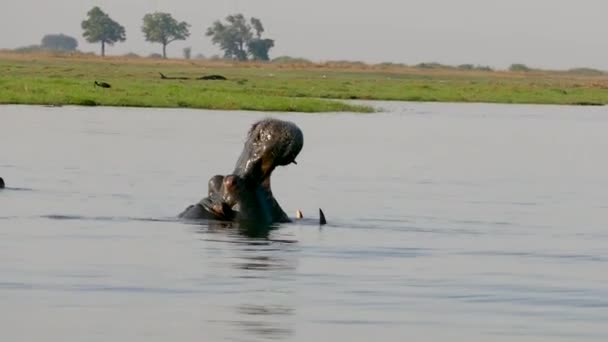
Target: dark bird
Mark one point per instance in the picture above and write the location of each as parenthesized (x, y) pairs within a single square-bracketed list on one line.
[(213, 78), (1, 183), (102, 84), (162, 76)]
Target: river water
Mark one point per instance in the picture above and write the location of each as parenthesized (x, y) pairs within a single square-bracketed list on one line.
[(465, 222)]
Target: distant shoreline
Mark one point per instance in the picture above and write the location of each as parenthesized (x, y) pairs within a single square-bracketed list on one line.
[(289, 86)]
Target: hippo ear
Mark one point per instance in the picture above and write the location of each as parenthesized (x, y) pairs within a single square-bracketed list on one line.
[(253, 127)]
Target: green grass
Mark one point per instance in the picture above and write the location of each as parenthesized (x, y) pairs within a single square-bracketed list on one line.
[(304, 87), (69, 81)]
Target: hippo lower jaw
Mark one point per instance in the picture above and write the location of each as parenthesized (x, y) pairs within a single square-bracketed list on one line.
[(205, 210)]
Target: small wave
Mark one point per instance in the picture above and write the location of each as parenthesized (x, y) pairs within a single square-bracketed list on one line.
[(556, 256), (94, 288), (105, 218), (16, 189)]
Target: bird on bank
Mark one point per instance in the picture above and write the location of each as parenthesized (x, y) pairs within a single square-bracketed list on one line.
[(102, 84)]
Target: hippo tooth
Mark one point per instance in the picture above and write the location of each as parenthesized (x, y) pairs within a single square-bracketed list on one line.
[(322, 219)]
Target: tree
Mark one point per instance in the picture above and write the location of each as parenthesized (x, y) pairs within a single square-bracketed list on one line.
[(257, 26), (162, 28), (59, 42), (240, 39), (187, 52), (99, 27), (258, 48)]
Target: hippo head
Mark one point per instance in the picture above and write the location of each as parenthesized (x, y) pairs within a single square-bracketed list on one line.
[(245, 195), (270, 143)]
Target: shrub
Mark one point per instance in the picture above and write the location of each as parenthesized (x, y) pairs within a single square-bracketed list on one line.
[(432, 65), (29, 49), (586, 71), (390, 65), (289, 59), (483, 68), (131, 55), (59, 42), (466, 67), (518, 67)]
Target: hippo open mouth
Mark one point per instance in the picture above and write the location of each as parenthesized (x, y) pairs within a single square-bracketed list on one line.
[(245, 195)]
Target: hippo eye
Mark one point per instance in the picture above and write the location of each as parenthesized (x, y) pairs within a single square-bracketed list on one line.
[(264, 135)]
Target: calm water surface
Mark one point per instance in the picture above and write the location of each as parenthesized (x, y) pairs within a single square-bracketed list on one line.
[(466, 222)]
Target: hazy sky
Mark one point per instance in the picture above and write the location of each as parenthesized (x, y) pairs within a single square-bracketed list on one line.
[(540, 33)]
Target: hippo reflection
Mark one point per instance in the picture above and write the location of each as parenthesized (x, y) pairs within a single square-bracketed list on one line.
[(246, 195)]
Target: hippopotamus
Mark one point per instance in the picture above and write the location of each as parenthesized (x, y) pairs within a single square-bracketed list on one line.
[(246, 195)]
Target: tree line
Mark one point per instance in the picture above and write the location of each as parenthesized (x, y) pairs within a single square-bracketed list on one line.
[(239, 38)]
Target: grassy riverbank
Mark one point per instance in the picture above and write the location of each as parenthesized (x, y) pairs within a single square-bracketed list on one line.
[(304, 87)]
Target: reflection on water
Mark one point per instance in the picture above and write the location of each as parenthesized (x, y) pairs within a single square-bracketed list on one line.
[(467, 222), (266, 315), (268, 268)]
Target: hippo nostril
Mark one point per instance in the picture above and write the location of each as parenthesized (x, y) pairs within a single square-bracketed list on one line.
[(230, 182)]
